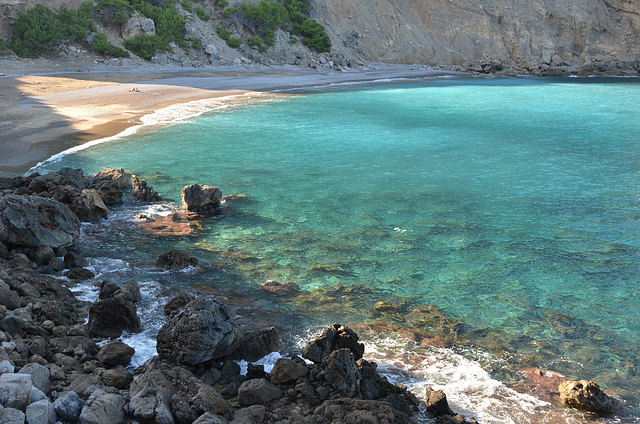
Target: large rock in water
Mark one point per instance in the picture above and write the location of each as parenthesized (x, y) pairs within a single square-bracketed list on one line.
[(33, 221), (199, 198), (587, 395), (199, 332), (110, 317), (143, 191)]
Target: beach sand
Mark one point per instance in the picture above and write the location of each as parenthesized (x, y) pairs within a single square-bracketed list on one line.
[(43, 113)]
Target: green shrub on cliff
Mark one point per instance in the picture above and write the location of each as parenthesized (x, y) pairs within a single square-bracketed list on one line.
[(145, 46), (4, 47), (102, 46), (115, 11), (266, 17), (40, 30), (202, 14)]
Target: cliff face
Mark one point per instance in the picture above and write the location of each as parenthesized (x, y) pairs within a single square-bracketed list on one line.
[(518, 33), (537, 36)]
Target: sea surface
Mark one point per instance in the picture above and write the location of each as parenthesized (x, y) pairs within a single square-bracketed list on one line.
[(512, 205)]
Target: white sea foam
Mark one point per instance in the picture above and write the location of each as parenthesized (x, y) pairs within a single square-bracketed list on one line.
[(174, 114), (267, 362), (469, 388)]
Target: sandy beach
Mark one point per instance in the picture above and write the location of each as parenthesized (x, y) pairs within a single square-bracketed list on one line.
[(48, 108)]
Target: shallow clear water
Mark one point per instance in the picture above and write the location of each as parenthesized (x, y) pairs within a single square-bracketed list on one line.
[(512, 204)]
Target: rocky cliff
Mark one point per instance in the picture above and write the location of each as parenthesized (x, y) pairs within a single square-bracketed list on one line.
[(523, 34), (534, 36)]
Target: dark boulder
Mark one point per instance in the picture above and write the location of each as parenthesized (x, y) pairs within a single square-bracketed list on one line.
[(74, 260), (436, 403), (287, 371), (115, 353), (332, 338), (257, 391), (110, 317), (79, 274), (68, 407), (199, 332), (199, 198), (33, 221), (257, 344)]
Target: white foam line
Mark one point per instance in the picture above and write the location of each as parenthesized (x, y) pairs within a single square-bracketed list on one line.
[(174, 114)]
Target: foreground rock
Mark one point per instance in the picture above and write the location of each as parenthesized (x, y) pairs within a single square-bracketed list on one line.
[(199, 332), (33, 221), (199, 198), (587, 395)]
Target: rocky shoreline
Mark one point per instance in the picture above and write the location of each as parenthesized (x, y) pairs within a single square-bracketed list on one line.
[(52, 370)]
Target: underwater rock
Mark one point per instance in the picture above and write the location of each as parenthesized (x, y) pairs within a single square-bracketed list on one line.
[(174, 224), (285, 288), (199, 198), (587, 395), (175, 259)]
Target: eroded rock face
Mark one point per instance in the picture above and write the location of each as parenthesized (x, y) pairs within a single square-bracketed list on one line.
[(32, 221), (587, 395), (199, 332), (88, 206), (199, 198), (143, 191), (332, 338)]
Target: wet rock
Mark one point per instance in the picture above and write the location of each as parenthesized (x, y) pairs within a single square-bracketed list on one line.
[(342, 372), (103, 408), (178, 302), (74, 260), (110, 317), (587, 395), (41, 412), (142, 191), (107, 289), (333, 338), (68, 407), (130, 291), (41, 255), (115, 353), (33, 221), (257, 391), (79, 274), (175, 259), (109, 191), (286, 371), (15, 391), (199, 198), (88, 206), (10, 415), (199, 332), (257, 344), (436, 402)]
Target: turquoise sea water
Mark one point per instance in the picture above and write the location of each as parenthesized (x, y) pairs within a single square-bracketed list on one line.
[(511, 204)]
